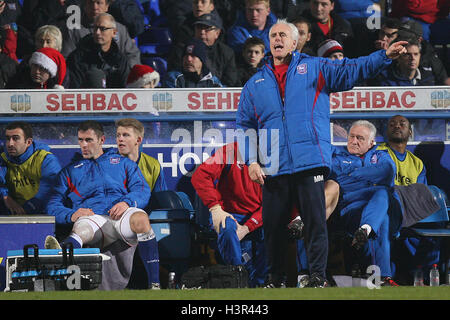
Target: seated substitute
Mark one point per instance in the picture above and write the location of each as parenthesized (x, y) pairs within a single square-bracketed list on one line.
[(365, 175), (223, 184), (106, 193), (129, 138), (29, 171)]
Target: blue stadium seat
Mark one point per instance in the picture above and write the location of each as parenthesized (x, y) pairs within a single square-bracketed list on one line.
[(152, 13), (155, 41)]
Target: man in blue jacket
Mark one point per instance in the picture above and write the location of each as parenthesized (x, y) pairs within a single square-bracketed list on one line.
[(29, 171), (286, 104), (102, 195), (365, 176)]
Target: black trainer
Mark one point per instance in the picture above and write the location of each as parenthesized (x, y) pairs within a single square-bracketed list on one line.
[(295, 229), (272, 282), (317, 281), (359, 238)]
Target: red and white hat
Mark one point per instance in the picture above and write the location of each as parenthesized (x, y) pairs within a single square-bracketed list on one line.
[(140, 75), (328, 47), (52, 61)]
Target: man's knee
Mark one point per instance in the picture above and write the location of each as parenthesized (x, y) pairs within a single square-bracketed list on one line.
[(230, 228), (139, 222), (84, 230)]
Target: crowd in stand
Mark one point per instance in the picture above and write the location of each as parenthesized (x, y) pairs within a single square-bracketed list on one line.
[(97, 42)]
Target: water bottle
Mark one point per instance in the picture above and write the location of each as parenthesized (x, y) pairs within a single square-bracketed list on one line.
[(418, 277), (434, 276), (171, 284)]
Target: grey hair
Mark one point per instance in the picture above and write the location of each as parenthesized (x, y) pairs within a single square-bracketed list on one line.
[(111, 19), (294, 30), (368, 125)]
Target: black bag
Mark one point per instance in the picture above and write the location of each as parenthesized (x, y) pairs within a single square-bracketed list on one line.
[(195, 278), (215, 277), (221, 277)]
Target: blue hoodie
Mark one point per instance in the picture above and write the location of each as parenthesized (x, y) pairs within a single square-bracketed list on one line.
[(241, 30)]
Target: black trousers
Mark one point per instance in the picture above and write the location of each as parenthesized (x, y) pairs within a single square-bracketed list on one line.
[(280, 193)]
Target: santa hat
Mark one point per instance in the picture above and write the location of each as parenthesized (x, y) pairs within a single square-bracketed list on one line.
[(140, 75), (328, 47), (52, 61)]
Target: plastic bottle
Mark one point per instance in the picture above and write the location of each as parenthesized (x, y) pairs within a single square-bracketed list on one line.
[(418, 277), (171, 284), (434, 276)]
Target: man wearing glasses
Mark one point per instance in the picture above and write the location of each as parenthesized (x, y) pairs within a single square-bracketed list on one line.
[(97, 61), (208, 28), (90, 10)]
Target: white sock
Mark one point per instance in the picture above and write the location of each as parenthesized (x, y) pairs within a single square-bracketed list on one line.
[(367, 228)]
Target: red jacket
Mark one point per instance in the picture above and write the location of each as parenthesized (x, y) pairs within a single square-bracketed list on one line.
[(426, 10), (223, 180)]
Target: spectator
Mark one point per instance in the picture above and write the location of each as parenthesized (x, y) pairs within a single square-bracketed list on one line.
[(387, 33), (91, 9), (292, 174), (326, 24), (252, 56), (195, 73), (364, 175), (406, 70), (129, 138), (234, 201), (48, 36), (331, 49), (304, 35), (425, 12), (428, 58), (46, 70), (31, 170), (10, 11), (185, 32), (107, 194), (50, 12), (97, 62), (142, 76), (128, 13), (220, 57), (7, 64), (254, 21)]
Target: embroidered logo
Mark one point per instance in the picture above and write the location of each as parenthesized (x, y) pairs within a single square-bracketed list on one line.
[(374, 159), (114, 160), (302, 69)]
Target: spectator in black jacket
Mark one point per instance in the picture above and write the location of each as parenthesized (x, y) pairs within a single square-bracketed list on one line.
[(98, 53), (429, 60), (195, 73), (7, 65), (252, 55), (326, 24), (220, 57)]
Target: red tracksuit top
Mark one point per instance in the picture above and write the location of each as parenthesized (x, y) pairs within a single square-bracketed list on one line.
[(223, 180)]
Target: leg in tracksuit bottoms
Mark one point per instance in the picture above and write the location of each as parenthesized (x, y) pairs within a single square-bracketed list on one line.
[(374, 213), (249, 252), (306, 190)]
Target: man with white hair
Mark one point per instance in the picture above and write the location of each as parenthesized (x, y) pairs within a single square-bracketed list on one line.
[(287, 101), (365, 175)]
